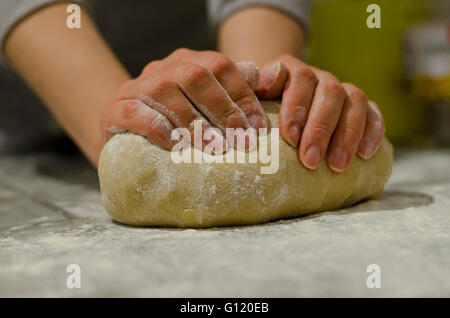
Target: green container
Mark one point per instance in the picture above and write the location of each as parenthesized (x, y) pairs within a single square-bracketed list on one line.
[(372, 59)]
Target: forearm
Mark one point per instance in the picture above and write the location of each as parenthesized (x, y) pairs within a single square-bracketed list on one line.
[(73, 71), (260, 34)]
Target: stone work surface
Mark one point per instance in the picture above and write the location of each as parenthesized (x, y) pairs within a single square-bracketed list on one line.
[(51, 216)]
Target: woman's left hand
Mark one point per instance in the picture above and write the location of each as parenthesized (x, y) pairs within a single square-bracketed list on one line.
[(321, 115)]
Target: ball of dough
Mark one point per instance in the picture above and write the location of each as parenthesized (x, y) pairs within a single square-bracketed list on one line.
[(141, 185)]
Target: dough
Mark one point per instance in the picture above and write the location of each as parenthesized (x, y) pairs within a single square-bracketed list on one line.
[(141, 185)]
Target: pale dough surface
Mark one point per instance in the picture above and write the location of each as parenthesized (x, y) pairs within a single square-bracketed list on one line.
[(141, 185)]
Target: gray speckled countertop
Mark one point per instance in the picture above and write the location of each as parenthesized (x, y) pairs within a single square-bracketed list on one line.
[(51, 216)]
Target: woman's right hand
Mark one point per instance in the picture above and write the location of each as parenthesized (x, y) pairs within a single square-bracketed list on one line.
[(184, 87)]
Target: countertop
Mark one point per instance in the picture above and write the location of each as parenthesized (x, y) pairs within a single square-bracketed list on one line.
[(51, 216)]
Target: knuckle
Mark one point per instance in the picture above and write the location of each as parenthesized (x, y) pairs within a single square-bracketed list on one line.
[(357, 94), (243, 97), (195, 74), (321, 130), (235, 118), (228, 113), (150, 67), (333, 87), (349, 86), (181, 51), (129, 110), (220, 64), (358, 112), (160, 87), (299, 112), (351, 134), (305, 73)]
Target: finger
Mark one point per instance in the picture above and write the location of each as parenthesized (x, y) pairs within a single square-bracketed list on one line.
[(133, 115), (230, 78), (237, 87), (373, 132), (250, 72), (165, 97), (323, 117), (272, 80), (296, 102), (202, 88), (349, 131)]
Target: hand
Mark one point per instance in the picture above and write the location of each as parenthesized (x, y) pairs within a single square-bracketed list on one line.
[(186, 86), (321, 114)]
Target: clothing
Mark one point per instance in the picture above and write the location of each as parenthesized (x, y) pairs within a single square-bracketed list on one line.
[(137, 33)]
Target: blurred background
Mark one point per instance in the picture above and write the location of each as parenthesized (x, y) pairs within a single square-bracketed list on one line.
[(404, 66)]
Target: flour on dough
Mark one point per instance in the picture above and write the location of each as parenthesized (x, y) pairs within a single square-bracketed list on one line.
[(142, 186)]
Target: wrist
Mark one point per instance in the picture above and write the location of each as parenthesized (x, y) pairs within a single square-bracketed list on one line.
[(250, 34)]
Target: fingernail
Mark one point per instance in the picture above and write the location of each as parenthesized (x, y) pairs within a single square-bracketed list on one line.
[(257, 121), (272, 73), (294, 134), (366, 148), (338, 161), (312, 157)]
